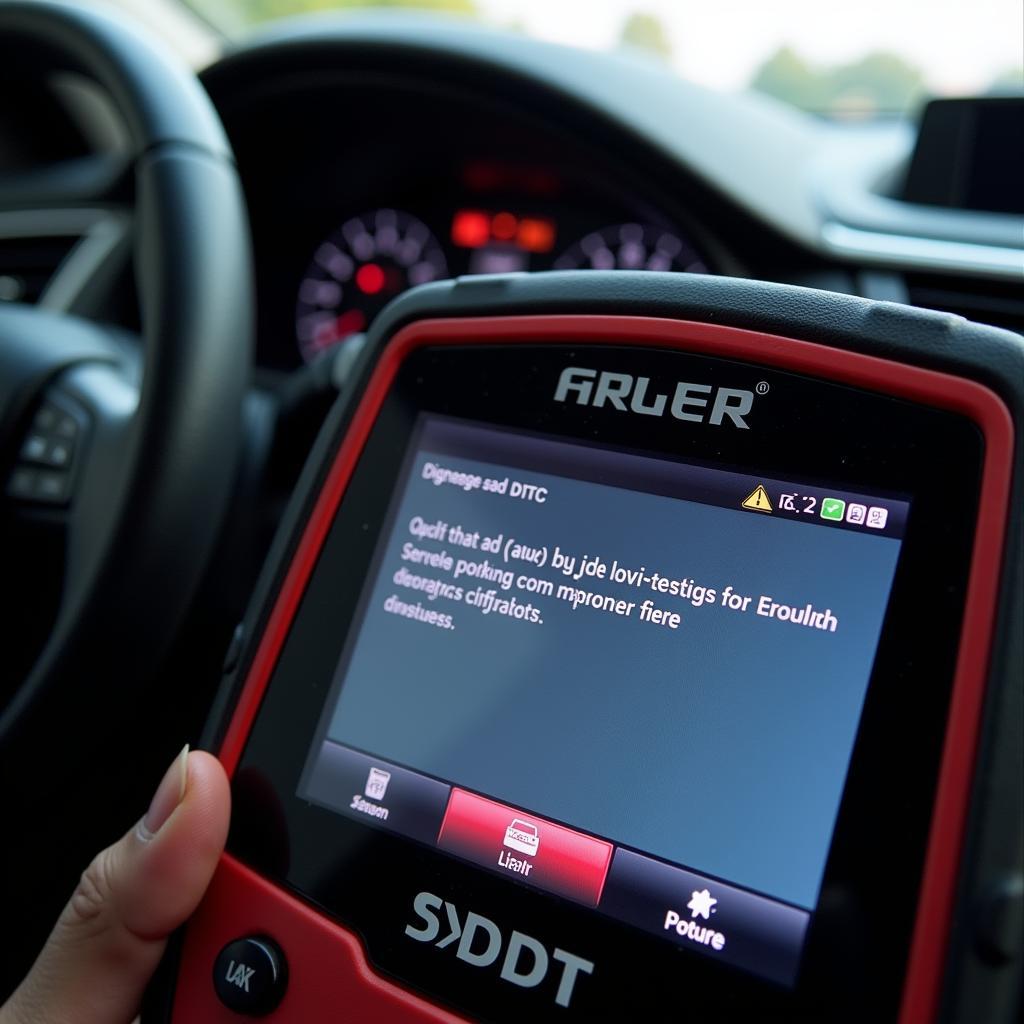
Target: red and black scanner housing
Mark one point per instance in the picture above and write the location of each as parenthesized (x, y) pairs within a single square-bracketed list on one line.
[(884, 397)]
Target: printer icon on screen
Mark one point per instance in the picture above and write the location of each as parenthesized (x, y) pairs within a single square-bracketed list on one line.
[(522, 836), (377, 783)]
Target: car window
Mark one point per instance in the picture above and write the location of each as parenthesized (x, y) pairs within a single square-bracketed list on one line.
[(873, 59)]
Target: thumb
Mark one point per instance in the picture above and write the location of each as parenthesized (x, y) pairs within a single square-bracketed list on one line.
[(111, 935)]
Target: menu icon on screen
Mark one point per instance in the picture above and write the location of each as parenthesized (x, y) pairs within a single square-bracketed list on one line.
[(522, 836), (377, 783)]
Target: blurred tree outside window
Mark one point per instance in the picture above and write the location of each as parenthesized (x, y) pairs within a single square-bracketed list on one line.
[(877, 83), (251, 11)]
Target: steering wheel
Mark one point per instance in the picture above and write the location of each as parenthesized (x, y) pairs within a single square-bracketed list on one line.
[(117, 453)]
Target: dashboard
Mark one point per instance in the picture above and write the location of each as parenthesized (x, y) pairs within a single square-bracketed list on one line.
[(373, 257), (341, 231), (503, 154), (344, 219)]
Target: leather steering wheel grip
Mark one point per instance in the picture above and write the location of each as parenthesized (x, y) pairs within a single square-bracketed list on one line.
[(146, 531)]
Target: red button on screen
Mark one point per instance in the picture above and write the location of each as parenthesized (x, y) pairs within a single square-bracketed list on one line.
[(525, 847)]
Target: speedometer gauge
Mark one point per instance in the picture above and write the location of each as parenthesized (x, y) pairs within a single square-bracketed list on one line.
[(632, 247), (357, 270)]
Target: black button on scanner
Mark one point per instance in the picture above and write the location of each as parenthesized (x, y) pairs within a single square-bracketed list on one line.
[(250, 975)]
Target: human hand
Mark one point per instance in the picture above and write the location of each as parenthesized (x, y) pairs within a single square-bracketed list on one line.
[(111, 935)]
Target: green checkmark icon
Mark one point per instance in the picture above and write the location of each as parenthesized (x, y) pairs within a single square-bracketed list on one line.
[(833, 508)]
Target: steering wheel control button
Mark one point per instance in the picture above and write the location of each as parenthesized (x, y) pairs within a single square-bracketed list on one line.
[(53, 422), (46, 458), (34, 448), (250, 975), (43, 486), (66, 427), (706, 916), (533, 850), (22, 484), (52, 487), (57, 454), (46, 418)]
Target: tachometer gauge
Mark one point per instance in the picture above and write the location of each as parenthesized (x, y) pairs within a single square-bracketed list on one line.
[(357, 270), (632, 247)]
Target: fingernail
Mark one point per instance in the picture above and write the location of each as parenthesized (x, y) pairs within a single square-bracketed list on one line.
[(167, 796)]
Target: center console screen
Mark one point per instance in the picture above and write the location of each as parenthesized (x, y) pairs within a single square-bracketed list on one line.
[(631, 682)]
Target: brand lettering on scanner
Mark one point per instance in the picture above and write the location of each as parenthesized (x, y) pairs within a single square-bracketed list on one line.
[(693, 403), (239, 974), (526, 960)]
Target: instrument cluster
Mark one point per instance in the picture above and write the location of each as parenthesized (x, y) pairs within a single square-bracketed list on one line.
[(506, 218)]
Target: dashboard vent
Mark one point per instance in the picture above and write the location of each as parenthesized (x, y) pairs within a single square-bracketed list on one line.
[(999, 303), (28, 264)]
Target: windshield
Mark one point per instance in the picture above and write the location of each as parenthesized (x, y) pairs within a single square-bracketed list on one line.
[(869, 59)]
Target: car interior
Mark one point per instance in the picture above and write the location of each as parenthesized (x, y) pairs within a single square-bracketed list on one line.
[(511, 458)]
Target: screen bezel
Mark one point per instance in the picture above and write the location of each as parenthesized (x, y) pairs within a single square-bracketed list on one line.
[(867, 451)]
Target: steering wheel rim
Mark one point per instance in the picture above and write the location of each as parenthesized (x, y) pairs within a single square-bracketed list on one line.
[(160, 461)]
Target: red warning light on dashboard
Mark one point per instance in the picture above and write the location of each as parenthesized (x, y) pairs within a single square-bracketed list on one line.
[(528, 848), (536, 235), (504, 227), (471, 229), (474, 229), (370, 279)]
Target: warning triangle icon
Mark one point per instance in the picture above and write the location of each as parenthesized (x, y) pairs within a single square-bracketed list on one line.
[(758, 500)]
